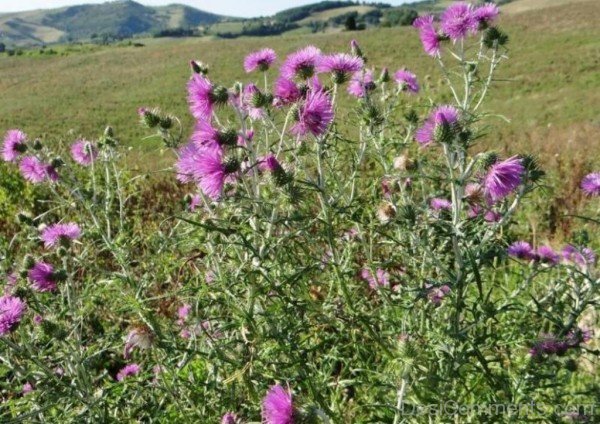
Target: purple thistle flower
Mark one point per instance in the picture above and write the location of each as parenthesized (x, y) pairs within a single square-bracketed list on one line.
[(577, 336), (203, 96), (229, 418), (186, 162), (260, 60), (302, 64), (492, 216), (547, 255), (42, 277), (380, 279), (441, 115), (591, 184), (427, 33), (84, 152), (503, 178), (361, 83), (458, 20), (437, 294), (341, 65), (486, 14), (14, 145), (407, 81), (250, 103), (36, 171), (211, 173), (521, 250), (60, 234), (11, 311), (27, 388), (581, 257), (277, 407), (315, 114), (269, 163), (438, 204), (128, 370), (286, 91)]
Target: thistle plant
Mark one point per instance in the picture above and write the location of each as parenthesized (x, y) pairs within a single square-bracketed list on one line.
[(345, 254)]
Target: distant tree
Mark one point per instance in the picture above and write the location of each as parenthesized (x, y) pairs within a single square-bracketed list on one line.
[(350, 23), (2, 47)]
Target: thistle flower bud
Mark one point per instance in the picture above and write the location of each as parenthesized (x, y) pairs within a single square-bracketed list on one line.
[(166, 122), (24, 218), (57, 162), (231, 165), (386, 212), (532, 168), (443, 133), (37, 144), (28, 262), (227, 137), (150, 118), (60, 275), (237, 88), (371, 115), (62, 251), (356, 51), (493, 37), (220, 95), (385, 76), (199, 67), (488, 159), (109, 132), (52, 330), (412, 116), (407, 213)]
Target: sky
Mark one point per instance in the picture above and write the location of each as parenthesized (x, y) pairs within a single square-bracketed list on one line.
[(241, 8)]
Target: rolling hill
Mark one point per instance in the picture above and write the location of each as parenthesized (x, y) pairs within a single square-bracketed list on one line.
[(118, 18)]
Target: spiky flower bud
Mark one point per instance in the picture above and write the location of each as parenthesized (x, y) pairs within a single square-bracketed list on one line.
[(28, 262), (57, 162), (60, 275), (443, 133), (199, 67), (220, 95), (166, 122), (385, 76), (109, 132), (150, 118), (488, 159), (37, 144), (532, 167), (231, 165), (24, 218), (493, 37)]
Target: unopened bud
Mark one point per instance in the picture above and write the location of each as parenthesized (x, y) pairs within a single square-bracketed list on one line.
[(37, 144), (108, 132), (166, 122), (385, 75), (28, 262), (57, 162), (231, 165), (24, 218), (199, 67), (220, 95)]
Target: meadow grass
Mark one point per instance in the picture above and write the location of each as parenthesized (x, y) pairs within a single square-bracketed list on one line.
[(550, 93)]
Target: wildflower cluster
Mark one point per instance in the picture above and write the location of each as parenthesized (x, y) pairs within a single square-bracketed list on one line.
[(344, 250)]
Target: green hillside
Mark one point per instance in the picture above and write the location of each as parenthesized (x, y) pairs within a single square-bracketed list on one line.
[(118, 19)]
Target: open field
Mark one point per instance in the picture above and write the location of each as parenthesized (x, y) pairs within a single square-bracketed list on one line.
[(328, 14), (552, 102)]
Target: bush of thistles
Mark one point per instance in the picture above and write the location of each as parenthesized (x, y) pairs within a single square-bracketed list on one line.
[(330, 264)]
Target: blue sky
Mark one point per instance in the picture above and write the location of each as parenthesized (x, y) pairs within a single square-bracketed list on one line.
[(244, 8)]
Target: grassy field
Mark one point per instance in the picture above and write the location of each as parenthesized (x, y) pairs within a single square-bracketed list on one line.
[(550, 93)]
